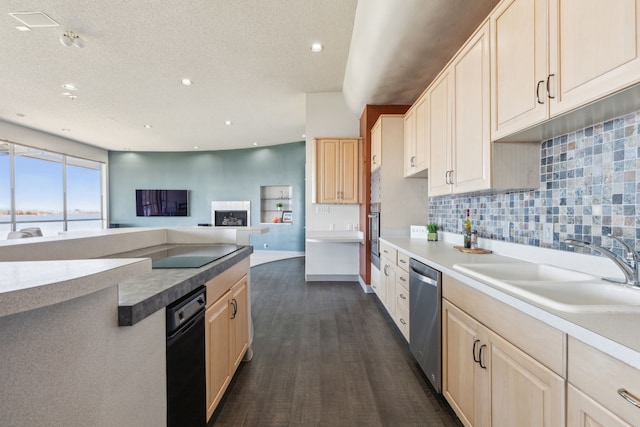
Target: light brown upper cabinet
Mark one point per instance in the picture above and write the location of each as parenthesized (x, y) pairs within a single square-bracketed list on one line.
[(415, 139), (462, 157), (337, 166), (376, 147), (552, 57)]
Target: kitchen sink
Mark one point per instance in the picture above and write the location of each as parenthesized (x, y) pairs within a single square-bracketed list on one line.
[(555, 287)]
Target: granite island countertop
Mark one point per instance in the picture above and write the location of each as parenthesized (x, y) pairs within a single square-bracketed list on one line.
[(143, 295), (614, 333), (29, 285)]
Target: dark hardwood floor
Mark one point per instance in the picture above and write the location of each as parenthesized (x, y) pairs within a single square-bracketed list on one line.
[(325, 354)]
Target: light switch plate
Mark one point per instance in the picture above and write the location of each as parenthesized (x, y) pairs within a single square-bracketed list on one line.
[(418, 231), (547, 233)]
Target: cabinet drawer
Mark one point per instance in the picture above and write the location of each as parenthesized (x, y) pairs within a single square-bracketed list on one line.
[(403, 261), (403, 279), (388, 252), (220, 284), (601, 376), (402, 320), (402, 295)]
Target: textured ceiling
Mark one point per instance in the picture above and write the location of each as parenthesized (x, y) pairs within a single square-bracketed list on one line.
[(249, 60)]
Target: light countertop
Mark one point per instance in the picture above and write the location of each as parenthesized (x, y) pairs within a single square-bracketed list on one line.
[(28, 285), (614, 333)]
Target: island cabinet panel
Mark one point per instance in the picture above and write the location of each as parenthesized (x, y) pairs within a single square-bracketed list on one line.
[(226, 329), (217, 352), (239, 335)]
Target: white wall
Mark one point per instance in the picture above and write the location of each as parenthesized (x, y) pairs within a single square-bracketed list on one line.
[(36, 139), (328, 116)]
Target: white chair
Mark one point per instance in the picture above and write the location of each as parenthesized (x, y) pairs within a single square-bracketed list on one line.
[(33, 231), (17, 235)]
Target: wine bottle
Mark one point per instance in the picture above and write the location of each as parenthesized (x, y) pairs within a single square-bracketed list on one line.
[(467, 231)]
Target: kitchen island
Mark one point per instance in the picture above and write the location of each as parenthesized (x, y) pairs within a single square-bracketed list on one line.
[(66, 358)]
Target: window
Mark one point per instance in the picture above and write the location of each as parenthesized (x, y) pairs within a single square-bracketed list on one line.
[(51, 191)]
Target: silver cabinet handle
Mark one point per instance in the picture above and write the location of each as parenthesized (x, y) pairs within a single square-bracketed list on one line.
[(446, 177), (402, 296), (412, 163), (629, 397), (403, 279), (538, 91), (402, 321), (450, 177), (403, 261), (548, 85), (374, 159)]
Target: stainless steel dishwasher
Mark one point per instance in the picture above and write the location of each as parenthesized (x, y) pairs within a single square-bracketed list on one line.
[(425, 292)]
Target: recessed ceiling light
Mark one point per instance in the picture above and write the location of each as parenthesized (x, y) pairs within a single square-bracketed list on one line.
[(22, 28), (316, 47), (66, 130), (255, 144), (70, 86), (304, 135), (148, 126), (187, 82), (20, 114), (228, 122), (195, 147)]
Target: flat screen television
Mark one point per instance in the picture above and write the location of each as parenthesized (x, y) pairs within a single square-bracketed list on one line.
[(162, 202)]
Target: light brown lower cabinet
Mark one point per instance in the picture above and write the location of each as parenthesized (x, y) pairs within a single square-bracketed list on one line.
[(490, 382), (603, 391), (583, 411), (226, 330)]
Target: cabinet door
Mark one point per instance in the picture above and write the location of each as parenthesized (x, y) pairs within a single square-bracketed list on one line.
[(582, 411), (471, 133), (410, 142), (594, 49), (462, 382), (239, 333), (389, 279), (523, 391), (519, 68), (439, 136), (421, 135), (349, 177), (376, 146), (328, 170), (217, 351)]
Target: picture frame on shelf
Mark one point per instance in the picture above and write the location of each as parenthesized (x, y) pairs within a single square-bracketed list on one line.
[(287, 216)]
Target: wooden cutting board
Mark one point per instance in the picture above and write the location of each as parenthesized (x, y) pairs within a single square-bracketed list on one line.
[(472, 251)]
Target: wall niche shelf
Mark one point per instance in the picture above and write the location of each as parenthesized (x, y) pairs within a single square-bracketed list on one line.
[(270, 197)]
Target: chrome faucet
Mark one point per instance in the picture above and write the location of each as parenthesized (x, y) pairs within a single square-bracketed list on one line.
[(628, 264)]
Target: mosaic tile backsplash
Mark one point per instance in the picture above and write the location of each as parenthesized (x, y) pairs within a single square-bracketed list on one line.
[(589, 188)]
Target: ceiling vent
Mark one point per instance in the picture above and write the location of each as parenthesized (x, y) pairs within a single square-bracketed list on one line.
[(34, 19)]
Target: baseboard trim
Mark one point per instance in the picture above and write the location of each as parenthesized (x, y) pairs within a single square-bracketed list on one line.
[(331, 277)]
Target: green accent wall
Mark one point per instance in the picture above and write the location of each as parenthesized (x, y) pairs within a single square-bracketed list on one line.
[(209, 176)]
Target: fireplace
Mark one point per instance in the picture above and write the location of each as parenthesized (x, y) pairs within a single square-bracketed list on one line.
[(231, 213)]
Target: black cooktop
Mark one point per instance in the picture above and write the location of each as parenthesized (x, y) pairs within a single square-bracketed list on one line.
[(191, 256)]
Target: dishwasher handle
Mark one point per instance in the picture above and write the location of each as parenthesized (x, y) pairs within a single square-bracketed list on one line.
[(427, 280)]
